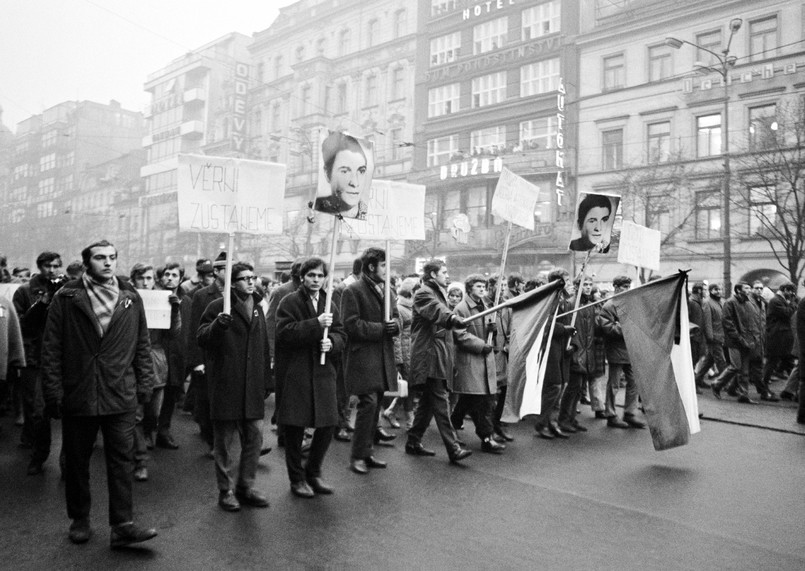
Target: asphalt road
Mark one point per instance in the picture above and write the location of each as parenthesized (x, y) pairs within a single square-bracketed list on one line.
[(731, 499)]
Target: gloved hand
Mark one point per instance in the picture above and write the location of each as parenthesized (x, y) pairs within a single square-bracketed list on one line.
[(570, 330), (403, 370), (491, 327), (224, 320), (488, 349), (53, 410), (173, 299), (391, 327), (457, 322)]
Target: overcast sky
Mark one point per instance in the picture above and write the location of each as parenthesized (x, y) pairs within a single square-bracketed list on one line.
[(59, 50)]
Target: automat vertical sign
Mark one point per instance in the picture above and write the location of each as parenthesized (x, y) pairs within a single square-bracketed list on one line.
[(239, 107), (560, 142)]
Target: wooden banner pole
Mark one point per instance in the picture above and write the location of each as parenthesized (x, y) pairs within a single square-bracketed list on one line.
[(499, 289), (328, 304), (230, 254), (387, 286)]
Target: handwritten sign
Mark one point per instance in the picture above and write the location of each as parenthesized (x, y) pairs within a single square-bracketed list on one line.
[(639, 246), (515, 199), (157, 308), (223, 195), (396, 211)]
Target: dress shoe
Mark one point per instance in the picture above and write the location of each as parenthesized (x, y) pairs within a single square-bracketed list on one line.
[(616, 422), (373, 462), (166, 441), (417, 449), (141, 474), (544, 432), (716, 391), (342, 435), (579, 427), (251, 497), (567, 427), (126, 534), (302, 489), (600, 414), (490, 446), (746, 400), (461, 442), (633, 421), (358, 465), (388, 416), (383, 436), (35, 467), (149, 442), (785, 395), (80, 531), (501, 431), (584, 400), (733, 392), (318, 486), (228, 501), (770, 397), (558, 432), (458, 454)]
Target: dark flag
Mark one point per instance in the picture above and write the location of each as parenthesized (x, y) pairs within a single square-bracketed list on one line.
[(652, 317)]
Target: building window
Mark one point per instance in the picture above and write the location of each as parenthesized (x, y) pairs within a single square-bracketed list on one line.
[(476, 206), (445, 49), (307, 100), (400, 23), (541, 20), (491, 140), (711, 41), (44, 209), (66, 160), (300, 54), (441, 6), (275, 117), (47, 186), (49, 138), (440, 150), (344, 42), (321, 46), (278, 64), (451, 205), (538, 133), (397, 150), (259, 73), (370, 91), (372, 29), (658, 214), (762, 209), (708, 215), (341, 98), (614, 72), (47, 162), (612, 144), (708, 135), (490, 35), (658, 136), (659, 62), (489, 89), (763, 38), (397, 83), (64, 184), (539, 77), (762, 127), (444, 100)]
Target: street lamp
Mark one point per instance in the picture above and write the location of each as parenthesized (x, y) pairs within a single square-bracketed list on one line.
[(725, 63)]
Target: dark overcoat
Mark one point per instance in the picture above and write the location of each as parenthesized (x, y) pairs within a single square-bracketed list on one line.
[(369, 363), (610, 326), (587, 358), (476, 373), (200, 300), (559, 355), (306, 393), (432, 345), (713, 329), (779, 333), (741, 324), (237, 360)]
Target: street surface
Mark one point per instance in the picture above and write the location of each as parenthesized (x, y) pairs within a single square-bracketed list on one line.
[(732, 499)]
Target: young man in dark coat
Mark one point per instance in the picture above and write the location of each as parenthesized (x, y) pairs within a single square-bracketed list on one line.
[(96, 362), (238, 370), (801, 339), (305, 391), (432, 369), (369, 366), (713, 335), (779, 332)]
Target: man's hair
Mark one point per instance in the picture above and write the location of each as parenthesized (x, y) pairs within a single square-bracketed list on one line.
[(372, 257), (698, 287), (738, 287), (296, 267), (492, 281), (74, 268), (138, 270), (357, 265), (432, 265), (473, 279), (557, 274), (531, 284), (312, 264), (46, 258), (171, 266), (238, 267), (788, 286), (588, 203), (711, 287), (407, 287), (514, 279), (758, 282), (622, 281), (86, 253)]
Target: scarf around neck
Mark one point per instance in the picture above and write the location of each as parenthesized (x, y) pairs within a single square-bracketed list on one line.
[(103, 298)]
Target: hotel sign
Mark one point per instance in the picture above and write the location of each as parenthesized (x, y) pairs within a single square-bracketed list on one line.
[(482, 8)]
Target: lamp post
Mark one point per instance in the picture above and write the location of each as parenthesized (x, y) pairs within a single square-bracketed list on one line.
[(725, 63)]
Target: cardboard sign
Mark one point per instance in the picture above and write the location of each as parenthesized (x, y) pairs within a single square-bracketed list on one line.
[(639, 246), (221, 195), (157, 308), (396, 211), (592, 228), (515, 199), (345, 175)]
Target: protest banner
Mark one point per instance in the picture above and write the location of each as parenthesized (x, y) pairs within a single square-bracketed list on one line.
[(224, 195), (515, 199), (595, 215), (157, 307), (345, 175), (395, 211), (639, 246)]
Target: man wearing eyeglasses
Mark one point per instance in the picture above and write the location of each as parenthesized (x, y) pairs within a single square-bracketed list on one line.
[(238, 369)]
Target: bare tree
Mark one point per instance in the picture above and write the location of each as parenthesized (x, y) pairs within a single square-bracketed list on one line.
[(771, 183)]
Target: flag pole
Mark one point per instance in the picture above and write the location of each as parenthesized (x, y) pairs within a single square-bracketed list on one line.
[(580, 278), (499, 289), (509, 302), (387, 285), (329, 302), (228, 278)]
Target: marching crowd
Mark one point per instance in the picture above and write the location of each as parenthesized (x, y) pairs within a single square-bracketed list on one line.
[(77, 347)]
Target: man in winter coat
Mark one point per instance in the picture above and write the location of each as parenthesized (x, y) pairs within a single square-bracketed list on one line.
[(500, 340), (779, 333), (96, 365), (696, 317), (476, 376), (618, 358), (305, 391), (432, 362), (713, 336), (12, 354), (238, 370), (369, 367), (801, 339)]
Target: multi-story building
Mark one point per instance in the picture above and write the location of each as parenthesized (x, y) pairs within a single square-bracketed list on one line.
[(197, 106), (50, 153), (494, 86), (652, 120), (330, 64)]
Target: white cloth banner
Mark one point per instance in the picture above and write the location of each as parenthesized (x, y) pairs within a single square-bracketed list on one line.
[(157, 308), (639, 246), (223, 195), (396, 211), (515, 199)]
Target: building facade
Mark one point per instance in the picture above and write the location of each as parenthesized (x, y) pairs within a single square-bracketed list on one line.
[(652, 118)]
